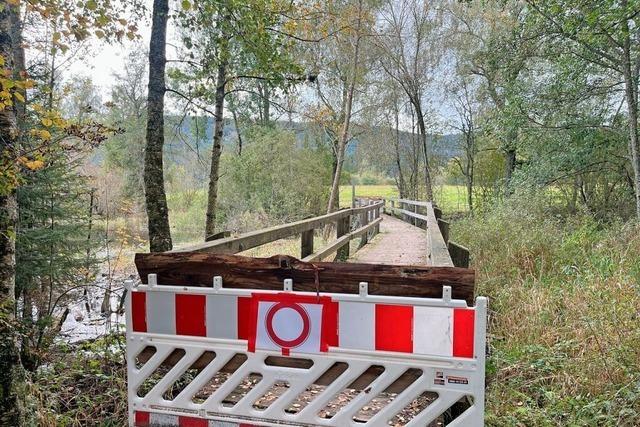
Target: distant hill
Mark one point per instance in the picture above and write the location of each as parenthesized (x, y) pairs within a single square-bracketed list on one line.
[(199, 133)]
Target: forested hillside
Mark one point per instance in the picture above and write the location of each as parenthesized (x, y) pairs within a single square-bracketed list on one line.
[(519, 118)]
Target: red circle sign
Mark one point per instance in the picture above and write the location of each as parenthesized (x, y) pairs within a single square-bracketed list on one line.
[(306, 325)]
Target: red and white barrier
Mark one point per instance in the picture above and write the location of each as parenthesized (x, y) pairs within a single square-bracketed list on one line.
[(307, 323), (151, 419), (442, 338)]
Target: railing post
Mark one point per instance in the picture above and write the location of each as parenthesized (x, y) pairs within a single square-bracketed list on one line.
[(306, 243), (353, 195), (414, 220), (377, 227), (365, 220), (343, 228)]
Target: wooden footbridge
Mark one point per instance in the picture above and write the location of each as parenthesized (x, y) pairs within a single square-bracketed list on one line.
[(390, 236), (390, 258)]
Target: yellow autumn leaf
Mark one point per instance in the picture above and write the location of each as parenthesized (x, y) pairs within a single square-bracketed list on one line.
[(1, 60), (19, 96), (47, 122), (34, 164), (44, 134)]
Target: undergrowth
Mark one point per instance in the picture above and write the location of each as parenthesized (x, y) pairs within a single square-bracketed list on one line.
[(564, 327), (83, 385)]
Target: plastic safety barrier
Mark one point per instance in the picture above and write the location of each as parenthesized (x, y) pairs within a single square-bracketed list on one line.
[(235, 357)]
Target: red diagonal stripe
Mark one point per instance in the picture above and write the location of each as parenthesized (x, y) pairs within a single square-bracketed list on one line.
[(190, 315), (394, 328), (463, 327)]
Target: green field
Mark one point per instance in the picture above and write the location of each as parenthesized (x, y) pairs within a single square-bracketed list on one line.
[(451, 198)]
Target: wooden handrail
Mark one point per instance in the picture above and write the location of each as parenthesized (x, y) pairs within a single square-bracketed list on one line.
[(336, 244), (252, 239), (438, 250), (408, 213), (437, 231)]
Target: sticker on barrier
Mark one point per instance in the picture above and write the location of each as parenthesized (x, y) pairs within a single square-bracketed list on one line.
[(234, 357)]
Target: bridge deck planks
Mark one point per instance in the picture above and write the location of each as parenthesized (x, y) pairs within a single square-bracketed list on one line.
[(397, 243)]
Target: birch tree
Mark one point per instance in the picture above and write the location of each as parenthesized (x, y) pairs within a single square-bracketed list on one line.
[(411, 43)]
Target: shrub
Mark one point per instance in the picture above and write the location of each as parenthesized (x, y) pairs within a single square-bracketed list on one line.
[(564, 301)]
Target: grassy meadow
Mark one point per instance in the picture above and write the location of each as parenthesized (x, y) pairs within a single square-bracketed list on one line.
[(451, 198)]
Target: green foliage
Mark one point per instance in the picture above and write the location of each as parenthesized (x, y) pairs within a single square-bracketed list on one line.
[(54, 250), (128, 111), (83, 385), (276, 177), (245, 36), (564, 301)]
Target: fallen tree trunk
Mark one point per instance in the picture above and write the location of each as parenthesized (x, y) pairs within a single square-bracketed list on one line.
[(198, 269)]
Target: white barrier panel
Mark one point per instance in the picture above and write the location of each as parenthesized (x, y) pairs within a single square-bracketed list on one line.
[(232, 357)]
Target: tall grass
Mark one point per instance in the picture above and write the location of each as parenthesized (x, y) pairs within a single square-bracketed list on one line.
[(564, 330)]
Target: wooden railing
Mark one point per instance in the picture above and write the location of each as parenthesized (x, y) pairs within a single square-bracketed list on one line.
[(366, 219), (441, 251)]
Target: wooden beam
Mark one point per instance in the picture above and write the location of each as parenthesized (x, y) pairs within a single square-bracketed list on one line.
[(217, 236), (252, 239), (343, 229), (437, 247), (444, 229), (459, 255), (437, 211), (367, 208), (409, 214), (338, 243), (306, 243), (364, 220), (233, 245), (410, 202), (198, 269)]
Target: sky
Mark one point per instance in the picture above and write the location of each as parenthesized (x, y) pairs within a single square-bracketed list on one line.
[(106, 60)]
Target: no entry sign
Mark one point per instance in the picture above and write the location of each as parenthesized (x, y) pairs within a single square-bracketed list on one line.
[(286, 322)]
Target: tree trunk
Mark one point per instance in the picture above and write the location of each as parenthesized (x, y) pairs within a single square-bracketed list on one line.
[(401, 184), (237, 125), (423, 134), (631, 91), (265, 107), (344, 136), (11, 370), (216, 152), (156, 199), (469, 177), (510, 167)]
